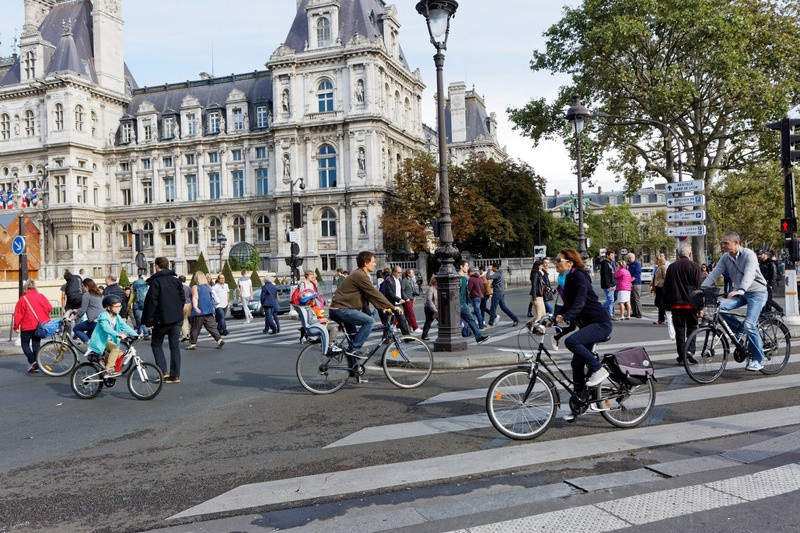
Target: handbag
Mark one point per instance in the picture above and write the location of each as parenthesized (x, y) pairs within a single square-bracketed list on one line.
[(41, 329)]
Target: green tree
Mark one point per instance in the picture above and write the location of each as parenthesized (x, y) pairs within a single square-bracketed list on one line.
[(200, 266), (654, 234), (616, 227), (230, 279), (716, 71), (256, 279), (559, 233), (123, 280)]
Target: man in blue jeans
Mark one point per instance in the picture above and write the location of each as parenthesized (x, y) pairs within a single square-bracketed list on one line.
[(607, 281), (748, 288), (465, 309), (499, 296), (351, 297)]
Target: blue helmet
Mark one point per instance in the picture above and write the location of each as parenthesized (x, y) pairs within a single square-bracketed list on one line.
[(306, 296)]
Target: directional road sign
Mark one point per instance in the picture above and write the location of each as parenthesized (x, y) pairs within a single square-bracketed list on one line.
[(686, 216), (686, 186), (686, 201), (687, 231), (18, 245)]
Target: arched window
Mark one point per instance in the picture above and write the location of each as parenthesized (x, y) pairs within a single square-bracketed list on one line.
[(326, 163), (328, 223), (323, 32), (30, 65), (169, 233), (262, 228), (5, 126), (239, 229), (215, 228), (59, 117), (95, 236), (147, 236), (125, 236), (30, 129), (192, 234), (325, 96), (79, 117)]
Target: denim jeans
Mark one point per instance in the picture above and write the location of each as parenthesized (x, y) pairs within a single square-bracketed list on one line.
[(352, 318), (84, 330), (578, 343), (141, 329), (499, 299), (754, 300), (468, 317), (271, 322), (608, 305), (548, 306), (30, 344), (476, 307), (485, 303), (219, 315)]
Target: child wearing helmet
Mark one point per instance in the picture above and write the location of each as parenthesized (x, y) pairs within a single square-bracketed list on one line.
[(310, 298), (108, 333)]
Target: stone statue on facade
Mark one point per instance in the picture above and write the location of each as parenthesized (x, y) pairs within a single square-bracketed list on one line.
[(285, 100), (360, 91), (287, 168), (362, 160), (362, 223)]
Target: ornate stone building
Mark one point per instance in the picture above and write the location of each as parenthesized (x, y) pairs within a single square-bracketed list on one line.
[(338, 108)]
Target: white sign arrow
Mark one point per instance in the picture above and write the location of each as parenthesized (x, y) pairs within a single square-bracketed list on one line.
[(685, 186), (686, 216), (687, 201), (687, 231)]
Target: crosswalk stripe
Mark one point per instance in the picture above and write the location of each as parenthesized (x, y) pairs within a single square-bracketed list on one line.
[(386, 476), (481, 420)]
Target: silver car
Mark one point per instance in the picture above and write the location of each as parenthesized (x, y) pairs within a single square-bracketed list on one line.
[(284, 295)]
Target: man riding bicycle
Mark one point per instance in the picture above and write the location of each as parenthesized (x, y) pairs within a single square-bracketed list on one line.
[(749, 288), (350, 298)]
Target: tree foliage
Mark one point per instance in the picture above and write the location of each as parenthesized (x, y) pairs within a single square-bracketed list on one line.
[(255, 279), (230, 279), (614, 228), (494, 206), (715, 70), (200, 266), (123, 280)]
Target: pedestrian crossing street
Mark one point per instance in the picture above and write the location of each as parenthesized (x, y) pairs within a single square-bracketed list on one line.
[(674, 389)]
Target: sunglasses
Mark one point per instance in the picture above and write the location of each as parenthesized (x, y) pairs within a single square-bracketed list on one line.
[(559, 260)]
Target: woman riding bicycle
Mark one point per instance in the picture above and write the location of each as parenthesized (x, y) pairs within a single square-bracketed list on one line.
[(582, 307)]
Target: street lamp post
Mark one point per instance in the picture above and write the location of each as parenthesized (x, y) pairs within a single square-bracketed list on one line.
[(294, 248), (221, 240), (437, 15), (576, 115)]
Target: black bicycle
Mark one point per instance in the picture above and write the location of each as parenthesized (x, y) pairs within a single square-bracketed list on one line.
[(407, 362), (707, 348), (522, 402)]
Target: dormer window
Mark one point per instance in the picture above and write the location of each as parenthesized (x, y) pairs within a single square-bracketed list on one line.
[(127, 130), (169, 127), (30, 65), (213, 122), (323, 32), (238, 119)]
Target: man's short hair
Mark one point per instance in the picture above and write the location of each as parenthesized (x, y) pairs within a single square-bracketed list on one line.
[(684, 250), (363, 258), (162, 262), (631, 254), (462, 263), (112, 278), (731, 235), (67, 274), (496, 265), (182, 278)]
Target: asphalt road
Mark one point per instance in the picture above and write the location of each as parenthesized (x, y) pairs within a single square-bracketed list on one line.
[(239, 416)]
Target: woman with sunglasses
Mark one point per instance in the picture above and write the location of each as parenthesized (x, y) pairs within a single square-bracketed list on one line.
[(582, 308)]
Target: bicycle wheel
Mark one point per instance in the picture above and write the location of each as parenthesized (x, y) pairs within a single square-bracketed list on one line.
[(319, 373), (633, 404), (777, 345), (145, 381), (56, 358), (85, 381), (710, 355), (517, 418), (407, 363)]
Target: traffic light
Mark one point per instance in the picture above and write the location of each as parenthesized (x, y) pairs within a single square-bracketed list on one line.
[(790, 138), (793, 248), (297, 215), (788, 225)]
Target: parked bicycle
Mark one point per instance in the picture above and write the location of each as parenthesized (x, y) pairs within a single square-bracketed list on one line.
[(707, 348), (144, 381), (324, 367), (522, 402)]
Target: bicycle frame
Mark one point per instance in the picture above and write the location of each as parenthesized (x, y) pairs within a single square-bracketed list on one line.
[(389, 330), (129, 354)]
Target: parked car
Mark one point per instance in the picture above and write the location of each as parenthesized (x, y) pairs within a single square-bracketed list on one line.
[(647, 274), (284, 295)]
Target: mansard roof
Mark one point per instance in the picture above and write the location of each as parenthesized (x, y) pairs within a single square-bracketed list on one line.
[(73, 51), (476, 118), (256, 86), (362, 17)]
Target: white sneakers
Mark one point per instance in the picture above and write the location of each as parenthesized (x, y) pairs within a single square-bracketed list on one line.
[(597, 377)]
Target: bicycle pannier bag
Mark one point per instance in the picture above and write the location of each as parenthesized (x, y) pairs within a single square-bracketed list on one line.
[(633, 364)]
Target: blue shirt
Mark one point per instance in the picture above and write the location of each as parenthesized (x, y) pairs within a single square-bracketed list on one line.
[(635, 269), (105, 332), (204, 302)]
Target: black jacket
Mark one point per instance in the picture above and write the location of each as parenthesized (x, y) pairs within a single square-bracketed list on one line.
[(388, 290), (606, 274), (116, 290), (164, 301), (769, 269), (683, 277), (580, 301)]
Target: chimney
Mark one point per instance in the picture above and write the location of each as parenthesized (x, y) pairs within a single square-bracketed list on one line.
[(555, 192), (599, 190)]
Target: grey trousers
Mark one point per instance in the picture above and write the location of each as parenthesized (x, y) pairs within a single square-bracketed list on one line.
[(636, 300)]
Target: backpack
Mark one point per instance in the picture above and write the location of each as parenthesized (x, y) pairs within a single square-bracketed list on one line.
[(295, 299), (631, 365), (73, 291), (141, 293)]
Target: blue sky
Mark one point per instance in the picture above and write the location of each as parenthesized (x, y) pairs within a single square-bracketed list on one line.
[(490, 47)]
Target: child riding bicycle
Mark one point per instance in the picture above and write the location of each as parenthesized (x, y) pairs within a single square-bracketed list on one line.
[(108, 333)]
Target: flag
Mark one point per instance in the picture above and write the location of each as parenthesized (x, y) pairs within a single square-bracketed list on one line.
[(34, 197), (23, 199), (9, 199)]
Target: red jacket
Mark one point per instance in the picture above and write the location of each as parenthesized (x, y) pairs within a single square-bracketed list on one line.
[(24, 318), (475, 286)]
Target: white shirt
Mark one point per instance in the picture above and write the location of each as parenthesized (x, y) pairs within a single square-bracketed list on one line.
[(245, 287), (219, 294)]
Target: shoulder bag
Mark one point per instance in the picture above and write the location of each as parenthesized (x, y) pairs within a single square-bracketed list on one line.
[(41, 329)]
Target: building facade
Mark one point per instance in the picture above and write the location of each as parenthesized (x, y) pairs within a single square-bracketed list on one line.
[(94, 157)]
